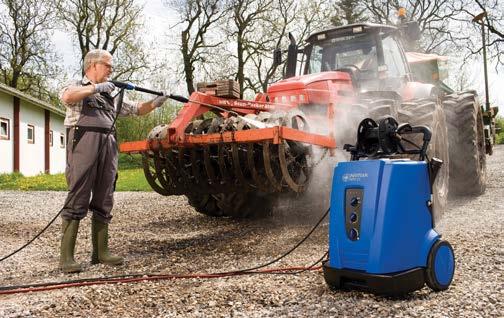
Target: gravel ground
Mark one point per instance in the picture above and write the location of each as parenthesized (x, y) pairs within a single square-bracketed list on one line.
[(164, 234)]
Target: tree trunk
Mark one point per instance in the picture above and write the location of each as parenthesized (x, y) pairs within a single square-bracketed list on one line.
[(240, 76)]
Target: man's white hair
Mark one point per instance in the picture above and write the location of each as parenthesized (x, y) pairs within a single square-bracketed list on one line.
[(94, 56)]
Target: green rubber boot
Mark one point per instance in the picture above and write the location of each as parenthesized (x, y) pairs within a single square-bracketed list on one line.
[(69, 231), (101, 252)]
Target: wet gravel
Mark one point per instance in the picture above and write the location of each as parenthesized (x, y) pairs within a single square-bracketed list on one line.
[(160, 234)]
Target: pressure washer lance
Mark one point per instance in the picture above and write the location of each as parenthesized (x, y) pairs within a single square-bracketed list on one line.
[(182, 99), (130, 86)]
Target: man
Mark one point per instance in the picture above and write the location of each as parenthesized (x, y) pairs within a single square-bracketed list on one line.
[(91, 169)]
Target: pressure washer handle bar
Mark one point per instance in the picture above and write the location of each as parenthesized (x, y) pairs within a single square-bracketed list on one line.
[(404, 129), (130, 86)]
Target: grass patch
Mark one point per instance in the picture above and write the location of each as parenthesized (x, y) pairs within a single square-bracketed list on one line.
[(17, 181), (127, 161), (131, 178)]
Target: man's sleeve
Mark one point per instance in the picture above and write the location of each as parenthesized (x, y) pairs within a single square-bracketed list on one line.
[(128, 108), (62, 91)]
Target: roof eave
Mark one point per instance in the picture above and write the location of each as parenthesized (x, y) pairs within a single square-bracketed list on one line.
[(14, 92)]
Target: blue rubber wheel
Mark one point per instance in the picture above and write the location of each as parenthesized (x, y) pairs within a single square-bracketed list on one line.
[(440, 266)]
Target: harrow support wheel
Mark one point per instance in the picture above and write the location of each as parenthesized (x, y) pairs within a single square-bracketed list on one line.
[(152, 175)]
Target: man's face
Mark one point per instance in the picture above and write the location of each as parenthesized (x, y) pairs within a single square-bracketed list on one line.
[(103, 69)]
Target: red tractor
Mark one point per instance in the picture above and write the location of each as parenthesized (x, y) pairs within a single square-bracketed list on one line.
[(234, 157)]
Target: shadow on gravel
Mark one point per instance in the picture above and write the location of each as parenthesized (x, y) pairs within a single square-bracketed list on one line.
[(204, 236), (205, 244)]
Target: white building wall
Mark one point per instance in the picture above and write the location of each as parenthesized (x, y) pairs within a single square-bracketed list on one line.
[(57, 154), (31, 161), (7, 146)]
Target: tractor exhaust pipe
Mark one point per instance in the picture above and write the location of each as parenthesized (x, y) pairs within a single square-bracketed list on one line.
[(291, 57)]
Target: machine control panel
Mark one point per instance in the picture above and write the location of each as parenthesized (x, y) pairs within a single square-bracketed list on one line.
[(353, 212)]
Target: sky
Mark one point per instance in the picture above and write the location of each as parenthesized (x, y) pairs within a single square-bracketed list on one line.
[(161, 23), (158, 21)]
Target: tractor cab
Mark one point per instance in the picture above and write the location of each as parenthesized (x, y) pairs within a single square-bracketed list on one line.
[(367, 58), (371, 54)]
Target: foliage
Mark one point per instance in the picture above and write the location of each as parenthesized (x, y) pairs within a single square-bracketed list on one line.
[(137, 127), (500, 136)]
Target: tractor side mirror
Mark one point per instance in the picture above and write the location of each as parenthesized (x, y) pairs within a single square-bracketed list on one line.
[(277, 57), (412, 31)]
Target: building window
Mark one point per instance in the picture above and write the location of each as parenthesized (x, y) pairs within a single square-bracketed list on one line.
[(31, 134), (50, 138), (4, 129), (62, 140)]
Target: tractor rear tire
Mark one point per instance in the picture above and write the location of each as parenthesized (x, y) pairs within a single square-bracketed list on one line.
[(235, 204), (466, 144), (429, 112)]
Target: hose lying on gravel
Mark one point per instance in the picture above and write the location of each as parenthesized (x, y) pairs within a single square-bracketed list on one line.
[(139, 277)]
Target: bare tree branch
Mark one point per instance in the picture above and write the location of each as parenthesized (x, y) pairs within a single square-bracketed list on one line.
[(110, 25), (26, 57)]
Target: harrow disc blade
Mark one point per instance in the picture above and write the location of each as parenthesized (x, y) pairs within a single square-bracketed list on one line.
[(230, 168), (271, 166)]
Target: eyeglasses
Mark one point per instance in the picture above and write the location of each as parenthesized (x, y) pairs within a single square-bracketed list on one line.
[(107, 65)]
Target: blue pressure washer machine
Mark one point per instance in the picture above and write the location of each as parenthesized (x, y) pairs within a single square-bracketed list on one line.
[(381, 228)]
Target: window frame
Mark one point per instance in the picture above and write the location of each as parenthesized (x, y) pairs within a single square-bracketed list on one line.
[(32, 140), (7, 135), (62, 140)]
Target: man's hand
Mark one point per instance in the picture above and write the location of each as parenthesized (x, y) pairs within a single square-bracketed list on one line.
[(159, 101), (105, 87)]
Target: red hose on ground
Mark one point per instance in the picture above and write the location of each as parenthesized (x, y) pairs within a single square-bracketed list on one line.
[(153, 278)]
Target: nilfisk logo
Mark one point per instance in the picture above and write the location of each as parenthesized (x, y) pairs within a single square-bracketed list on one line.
[(353, 177)]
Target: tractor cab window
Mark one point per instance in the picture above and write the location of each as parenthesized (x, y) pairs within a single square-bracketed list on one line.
[(355, 54), (347, 51), (393, 58), (315, 64)]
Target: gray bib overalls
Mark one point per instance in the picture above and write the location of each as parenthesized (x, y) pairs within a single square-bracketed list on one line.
[(91, 185)]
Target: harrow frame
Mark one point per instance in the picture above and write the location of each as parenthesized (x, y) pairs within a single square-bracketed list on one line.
[(201, 103)]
